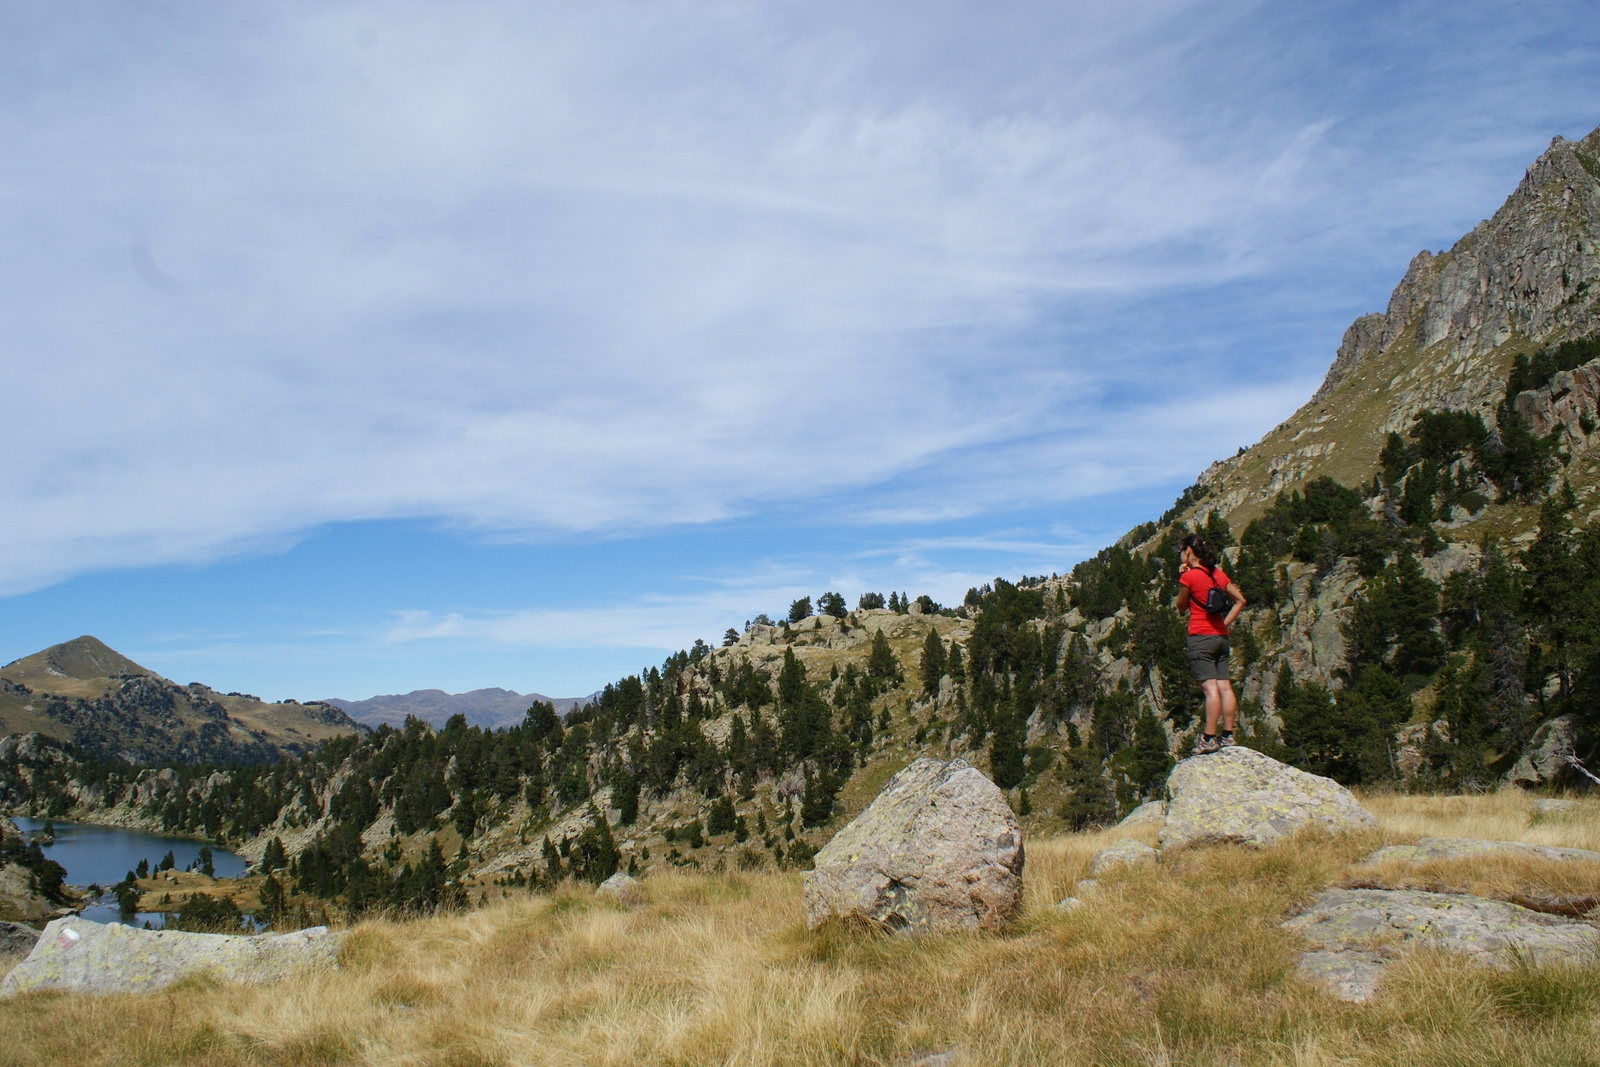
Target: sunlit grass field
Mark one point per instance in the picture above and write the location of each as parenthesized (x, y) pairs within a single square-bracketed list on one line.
[(1179, 963)]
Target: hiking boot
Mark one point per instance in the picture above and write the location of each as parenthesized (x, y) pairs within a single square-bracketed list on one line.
[(1226, 741), (1206, 745)]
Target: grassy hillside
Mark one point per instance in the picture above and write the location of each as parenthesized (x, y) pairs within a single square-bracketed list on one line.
[(1181, 963)]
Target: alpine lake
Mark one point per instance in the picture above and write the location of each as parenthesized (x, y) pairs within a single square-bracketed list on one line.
[(103, 856)]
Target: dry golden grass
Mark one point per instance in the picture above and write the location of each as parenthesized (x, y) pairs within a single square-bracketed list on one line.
[(1181, 963)]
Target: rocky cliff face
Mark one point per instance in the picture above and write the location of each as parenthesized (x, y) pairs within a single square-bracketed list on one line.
[(1529, 271)]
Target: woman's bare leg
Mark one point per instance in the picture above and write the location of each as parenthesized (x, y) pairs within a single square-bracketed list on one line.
[(1213, 703), (1230, 705)]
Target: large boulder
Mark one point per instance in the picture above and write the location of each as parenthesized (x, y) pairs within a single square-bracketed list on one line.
[(1357, 932), (1240, 795), (1150, 813), (939, 849), (81, 956)]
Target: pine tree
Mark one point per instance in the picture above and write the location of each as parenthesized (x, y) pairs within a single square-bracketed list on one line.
[(880, 661), (933, 667), (953, 665), (1144, 764), (1005, 751)]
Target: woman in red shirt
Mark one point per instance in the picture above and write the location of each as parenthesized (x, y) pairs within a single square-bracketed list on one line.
[(1198, 575)]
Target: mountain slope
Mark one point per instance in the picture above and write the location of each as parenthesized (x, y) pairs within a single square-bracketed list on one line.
[(85, 692)]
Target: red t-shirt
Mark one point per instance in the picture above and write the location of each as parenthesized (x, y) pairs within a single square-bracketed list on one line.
[(1199, 583)]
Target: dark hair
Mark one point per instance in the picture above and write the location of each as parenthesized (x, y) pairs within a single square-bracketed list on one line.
[(1206, 554)]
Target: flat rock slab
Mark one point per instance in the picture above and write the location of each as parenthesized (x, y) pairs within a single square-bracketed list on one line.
[(1125, 853), (1357, 931), (1456, 848), (1240, 795), (80, 956), (938, 849)]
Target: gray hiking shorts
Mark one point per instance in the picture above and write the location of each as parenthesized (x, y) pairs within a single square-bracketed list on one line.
[(1208, 657)]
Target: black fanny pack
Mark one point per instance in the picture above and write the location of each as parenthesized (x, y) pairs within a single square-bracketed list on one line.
[(1217, 601)]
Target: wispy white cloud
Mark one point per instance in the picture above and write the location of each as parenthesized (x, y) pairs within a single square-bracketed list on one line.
[(533, 268)]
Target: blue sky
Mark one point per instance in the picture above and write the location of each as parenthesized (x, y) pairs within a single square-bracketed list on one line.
[(356, 348)]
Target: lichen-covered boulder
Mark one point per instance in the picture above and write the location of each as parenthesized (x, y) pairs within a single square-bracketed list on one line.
[(1243, 796), (1358, 931), (1125, 853), (1455, 848), (939, 849), (85, 957)]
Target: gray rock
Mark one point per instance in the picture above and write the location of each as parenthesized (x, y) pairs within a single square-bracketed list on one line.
[(1240, 795), (938, 849), (624, 887), (1455, 848), (1125, 853), (1068, 903), (17, 939), (1150, 813), (1545, 760), (1553, 808), (1357, 931), (77, 955), (1349, 975)]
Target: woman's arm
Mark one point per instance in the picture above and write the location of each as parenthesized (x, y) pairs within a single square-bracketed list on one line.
[(1182, 603), (1237, 596)]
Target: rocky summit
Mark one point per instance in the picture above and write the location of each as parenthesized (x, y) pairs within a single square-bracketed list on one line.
[(1239, 795), (938, 849), (87, 957)]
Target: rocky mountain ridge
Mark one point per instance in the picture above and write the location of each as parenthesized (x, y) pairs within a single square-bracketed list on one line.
[(490, 708)]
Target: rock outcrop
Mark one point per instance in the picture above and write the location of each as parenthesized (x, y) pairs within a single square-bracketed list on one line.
[(938, 849), (1359, 931), (1240, 795), (1545, 760), (1456, 848), (80, 956), (20, 899), (17, 939)]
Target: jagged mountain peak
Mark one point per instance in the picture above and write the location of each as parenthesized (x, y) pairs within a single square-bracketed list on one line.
[(1523, 279)]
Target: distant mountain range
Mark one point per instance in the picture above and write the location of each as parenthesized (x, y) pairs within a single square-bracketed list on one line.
[(87, 693), (488, 708)]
